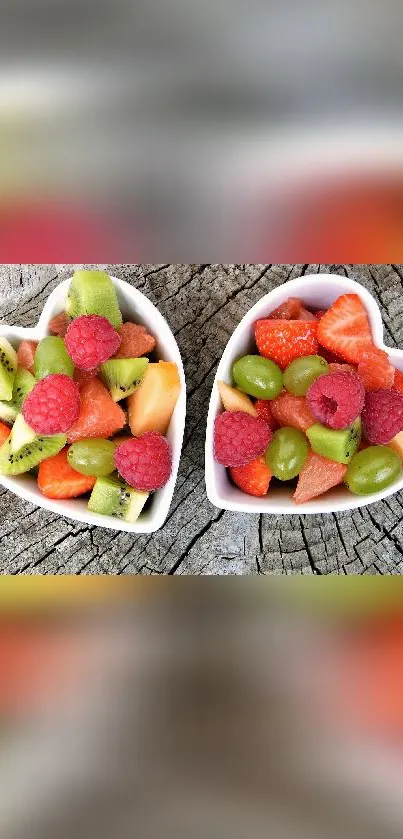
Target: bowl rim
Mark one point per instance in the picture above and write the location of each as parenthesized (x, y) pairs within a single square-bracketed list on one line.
[(240, 502), (146, 311)]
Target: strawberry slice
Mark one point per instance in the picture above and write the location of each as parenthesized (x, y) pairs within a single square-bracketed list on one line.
[(284, 340), (398, 381), (317, 476), (375, 370), (345, 328), (289, 310), (253, 478), (57, 479), (263, 408)]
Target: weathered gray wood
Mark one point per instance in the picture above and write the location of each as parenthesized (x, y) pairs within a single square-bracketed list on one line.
[(203, 304)]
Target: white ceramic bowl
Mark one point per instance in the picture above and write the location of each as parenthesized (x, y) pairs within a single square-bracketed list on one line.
[(318, 291), (134, 306)]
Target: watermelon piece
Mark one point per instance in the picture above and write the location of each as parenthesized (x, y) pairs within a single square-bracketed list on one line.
[(26, 355), (59, 324), (289, 310), (318, 475), (82, 377), (290, 410), (99, 415), (306, 315), (135, 341)]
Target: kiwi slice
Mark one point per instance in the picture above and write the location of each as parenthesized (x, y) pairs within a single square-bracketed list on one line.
[(335, 445), (51, 357), (93, 293), (24, 450), (112, 497), (123, 376), (23, 384), (8, 368)]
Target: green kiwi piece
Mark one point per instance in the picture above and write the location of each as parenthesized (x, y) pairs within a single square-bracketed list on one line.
[(8, 368), (51, 357), (93, 293), (112, 497), (23, 384), (123, 376), (24, 449), (335, 445)]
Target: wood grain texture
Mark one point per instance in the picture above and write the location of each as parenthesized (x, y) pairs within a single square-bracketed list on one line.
[(203, 304)]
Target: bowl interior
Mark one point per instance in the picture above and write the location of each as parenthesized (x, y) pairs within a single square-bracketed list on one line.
[(134, 306), (316, 292)]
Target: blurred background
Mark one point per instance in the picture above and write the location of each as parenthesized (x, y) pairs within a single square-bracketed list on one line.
[(262, 708), (140, 131)]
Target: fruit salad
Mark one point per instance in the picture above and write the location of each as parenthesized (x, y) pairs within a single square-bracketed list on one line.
[(316, 406), (86, 409)]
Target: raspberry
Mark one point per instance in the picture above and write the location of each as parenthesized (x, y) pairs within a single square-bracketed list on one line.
[(145, 462), (239, 438), (336, 399), (91, 340), (53, 405), (382, 416)]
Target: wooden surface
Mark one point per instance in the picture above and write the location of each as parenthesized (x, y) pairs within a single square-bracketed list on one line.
[(203, 304)]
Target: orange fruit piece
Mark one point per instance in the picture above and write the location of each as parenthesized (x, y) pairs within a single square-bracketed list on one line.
[(290, 410), (99, 415), (345, 328), (135, 341), (5, 432), (152, 405), (375, 370), (60, 324), (57, 479), (26, 355), (317, 476), (233, 400)]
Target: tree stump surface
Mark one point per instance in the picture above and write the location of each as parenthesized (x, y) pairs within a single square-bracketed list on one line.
[(203, 304)]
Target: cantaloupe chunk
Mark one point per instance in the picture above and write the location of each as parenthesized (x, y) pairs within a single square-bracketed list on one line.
[(152, 405), (397, 444), (233, 400)]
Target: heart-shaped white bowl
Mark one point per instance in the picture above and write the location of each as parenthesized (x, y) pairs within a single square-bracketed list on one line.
[(317, 291), (134, 306)]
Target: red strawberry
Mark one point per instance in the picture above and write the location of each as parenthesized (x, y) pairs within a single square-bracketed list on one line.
[(253, 478), (289, 310), (284, 340), (57, 479), (345, 328), (288, 409), (306, 315), (317, 476), (398, 382), (375, 370), (263, 408)]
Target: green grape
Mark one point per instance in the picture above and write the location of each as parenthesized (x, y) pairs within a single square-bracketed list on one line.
[(51, 356), (93, 457), (258, 376), (287, 453), (373, 469), (300, 374)]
